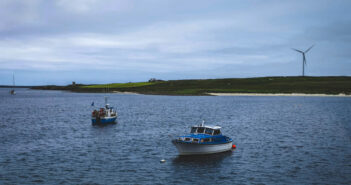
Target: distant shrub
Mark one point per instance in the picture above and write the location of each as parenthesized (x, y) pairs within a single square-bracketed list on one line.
[(155, 80)]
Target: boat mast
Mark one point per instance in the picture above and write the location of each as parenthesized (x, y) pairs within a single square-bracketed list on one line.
[(106, 91), (13, 79)]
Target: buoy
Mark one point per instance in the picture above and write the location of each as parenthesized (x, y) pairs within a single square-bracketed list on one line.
[(162, 161), (233, 147)]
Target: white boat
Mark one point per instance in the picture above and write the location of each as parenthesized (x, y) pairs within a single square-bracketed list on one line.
[(203, 139)]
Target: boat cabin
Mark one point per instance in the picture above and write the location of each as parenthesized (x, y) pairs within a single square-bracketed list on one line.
[(209, 130), (104, 112), (204, 135)]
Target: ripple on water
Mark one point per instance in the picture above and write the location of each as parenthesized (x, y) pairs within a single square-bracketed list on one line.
[(280, 140)]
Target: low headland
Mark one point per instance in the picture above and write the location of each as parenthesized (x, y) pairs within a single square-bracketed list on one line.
[(295, 86)]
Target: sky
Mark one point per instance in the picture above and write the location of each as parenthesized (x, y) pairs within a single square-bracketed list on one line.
[(110, 41)]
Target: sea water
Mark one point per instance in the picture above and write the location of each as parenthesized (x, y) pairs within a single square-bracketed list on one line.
[(46, 137)]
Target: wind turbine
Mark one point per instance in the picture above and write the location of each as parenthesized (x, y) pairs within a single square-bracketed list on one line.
[(303, 58)]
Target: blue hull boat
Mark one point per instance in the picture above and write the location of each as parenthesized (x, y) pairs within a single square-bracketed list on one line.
[(203, 140), (104, 120), (105, 115)]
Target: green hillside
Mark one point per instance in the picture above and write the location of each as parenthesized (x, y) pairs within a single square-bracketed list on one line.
[(309, 85), (118, 85)]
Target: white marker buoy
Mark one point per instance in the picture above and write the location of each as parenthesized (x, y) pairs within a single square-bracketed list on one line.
[(162, 161)]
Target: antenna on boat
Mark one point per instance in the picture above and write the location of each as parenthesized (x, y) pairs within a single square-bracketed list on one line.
[(105, 100), (203, 123)]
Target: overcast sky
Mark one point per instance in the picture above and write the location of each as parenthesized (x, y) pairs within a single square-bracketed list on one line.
[(100, 41)]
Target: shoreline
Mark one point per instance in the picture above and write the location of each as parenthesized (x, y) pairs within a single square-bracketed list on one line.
[(120, 92), (278, 94)]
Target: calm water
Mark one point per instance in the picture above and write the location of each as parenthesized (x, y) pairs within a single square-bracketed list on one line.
[(46, 137)]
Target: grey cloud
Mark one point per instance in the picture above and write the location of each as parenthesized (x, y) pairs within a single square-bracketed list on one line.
[(172, 39)]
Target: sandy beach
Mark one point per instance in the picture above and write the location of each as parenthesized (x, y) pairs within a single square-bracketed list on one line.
[(278, 94), (120, 92)]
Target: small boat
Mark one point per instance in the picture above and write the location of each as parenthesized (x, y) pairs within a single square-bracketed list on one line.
[(104, 115), (13, 92), (203, 139)]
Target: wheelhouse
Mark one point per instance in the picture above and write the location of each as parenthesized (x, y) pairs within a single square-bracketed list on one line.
[(206, 130), (204, 135)]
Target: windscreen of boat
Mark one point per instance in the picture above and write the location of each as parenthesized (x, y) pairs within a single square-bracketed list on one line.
[(216, 132), (193, 129), (200, 130), (208, 131)]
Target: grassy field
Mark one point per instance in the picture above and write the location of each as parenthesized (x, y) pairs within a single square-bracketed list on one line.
[(308, 85), (118, 85)]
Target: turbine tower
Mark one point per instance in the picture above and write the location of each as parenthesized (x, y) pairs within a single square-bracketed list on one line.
[(303, 58)]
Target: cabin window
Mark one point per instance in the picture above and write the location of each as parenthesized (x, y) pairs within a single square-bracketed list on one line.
[(208, 131), (216, 132), (193, 129), (187, 139), (195, 140), (200, 130), (207, 140)]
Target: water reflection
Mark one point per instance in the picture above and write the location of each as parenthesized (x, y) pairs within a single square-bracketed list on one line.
[(202, 160), (192, 168), (104, 125)]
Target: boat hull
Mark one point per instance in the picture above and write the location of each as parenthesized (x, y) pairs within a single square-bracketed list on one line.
[(105, 120), (185, 148)]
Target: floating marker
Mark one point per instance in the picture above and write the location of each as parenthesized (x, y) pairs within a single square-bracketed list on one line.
[(233, 147), (162, 161)]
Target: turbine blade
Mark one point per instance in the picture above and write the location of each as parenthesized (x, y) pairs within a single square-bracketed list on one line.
[(309, 48), (297, 50)]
